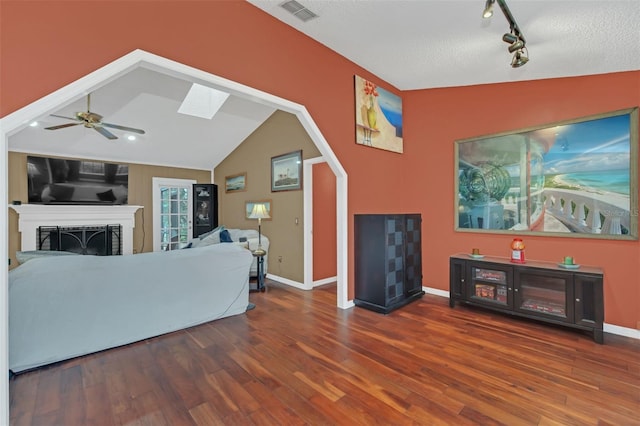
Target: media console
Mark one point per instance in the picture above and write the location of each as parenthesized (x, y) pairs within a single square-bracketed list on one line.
[(536, 290)]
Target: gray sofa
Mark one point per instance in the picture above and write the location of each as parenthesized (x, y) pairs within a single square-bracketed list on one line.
[(249, 235), (67, 306)]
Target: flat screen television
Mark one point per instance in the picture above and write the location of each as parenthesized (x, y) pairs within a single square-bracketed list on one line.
[(69, 181)]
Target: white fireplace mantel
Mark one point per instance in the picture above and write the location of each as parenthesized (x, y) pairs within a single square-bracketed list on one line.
[(32, 216)]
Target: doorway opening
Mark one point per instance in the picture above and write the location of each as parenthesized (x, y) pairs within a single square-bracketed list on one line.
[(20, 119)]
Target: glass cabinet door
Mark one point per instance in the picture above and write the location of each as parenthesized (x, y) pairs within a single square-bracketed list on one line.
[(490, 284), (545, 294), (205, 204)]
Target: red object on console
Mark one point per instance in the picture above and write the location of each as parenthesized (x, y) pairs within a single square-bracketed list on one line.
[(517, 251)]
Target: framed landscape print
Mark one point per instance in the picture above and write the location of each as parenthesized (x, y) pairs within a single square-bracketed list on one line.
[(575, 178), (235, 183), (286, 172), (378, 117)]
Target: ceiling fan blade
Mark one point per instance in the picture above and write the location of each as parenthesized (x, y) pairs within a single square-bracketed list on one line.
[(104, 132), (116, 126), (61, 126), (62, 116)]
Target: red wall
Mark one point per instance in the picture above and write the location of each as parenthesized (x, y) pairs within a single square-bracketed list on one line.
[(324, 222), (436, 118), (46, 45)]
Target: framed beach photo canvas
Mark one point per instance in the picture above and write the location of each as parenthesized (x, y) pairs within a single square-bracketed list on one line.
[(378, 117), (235, 183), (286, 171), (575, 178)]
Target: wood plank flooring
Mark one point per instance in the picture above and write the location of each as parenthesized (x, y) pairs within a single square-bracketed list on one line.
[(296, 359)]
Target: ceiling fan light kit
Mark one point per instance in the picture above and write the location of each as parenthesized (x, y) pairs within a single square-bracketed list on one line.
[(515, 37), (91, 120)]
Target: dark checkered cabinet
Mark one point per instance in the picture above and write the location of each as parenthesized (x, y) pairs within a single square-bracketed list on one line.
[(388, 260)]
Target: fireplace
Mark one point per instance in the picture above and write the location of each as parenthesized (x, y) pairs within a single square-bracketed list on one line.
[(34, 216), (94, 240)]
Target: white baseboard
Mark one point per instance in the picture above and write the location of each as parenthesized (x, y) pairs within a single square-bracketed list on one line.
[(301, 286), (621, 331), (324, 281), (607, 328), (435, 291), (287, 281)]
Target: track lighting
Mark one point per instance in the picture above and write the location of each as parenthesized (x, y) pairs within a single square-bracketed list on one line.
[(509, 38), (520, 58), (488, 9), (515, 42), (516, 46), (514, 37)]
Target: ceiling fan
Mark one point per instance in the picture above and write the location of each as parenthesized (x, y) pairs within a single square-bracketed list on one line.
[(93, 121)]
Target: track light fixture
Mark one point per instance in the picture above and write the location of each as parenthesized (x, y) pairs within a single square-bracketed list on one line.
[(518, 45), (520, 58), (509, 38), (488, 9), (515, 42), (514, 37)]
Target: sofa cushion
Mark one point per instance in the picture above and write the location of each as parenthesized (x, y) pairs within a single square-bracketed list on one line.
[(25, 256), (213, 231), (211, 237), (236, 234), (225, 237)]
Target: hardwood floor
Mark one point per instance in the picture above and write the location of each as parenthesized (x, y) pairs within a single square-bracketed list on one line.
[(296, 359)]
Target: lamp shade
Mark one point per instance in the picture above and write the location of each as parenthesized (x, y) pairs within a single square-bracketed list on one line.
[(259, 211)]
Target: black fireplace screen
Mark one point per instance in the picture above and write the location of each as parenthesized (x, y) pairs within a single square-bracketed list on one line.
[(103, 240)]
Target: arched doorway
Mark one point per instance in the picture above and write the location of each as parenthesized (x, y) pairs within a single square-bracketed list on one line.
[(18, 120)]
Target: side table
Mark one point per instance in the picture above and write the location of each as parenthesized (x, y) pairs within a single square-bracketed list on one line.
[(259, 272)]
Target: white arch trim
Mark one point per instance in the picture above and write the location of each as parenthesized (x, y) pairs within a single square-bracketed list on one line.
[(21, 118)]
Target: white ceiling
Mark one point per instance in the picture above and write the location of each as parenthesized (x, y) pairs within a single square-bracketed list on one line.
[(419, 44), (412, 44), (147, 100)]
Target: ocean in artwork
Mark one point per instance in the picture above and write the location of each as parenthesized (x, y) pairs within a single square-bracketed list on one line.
[(391, 107), (607, 180)]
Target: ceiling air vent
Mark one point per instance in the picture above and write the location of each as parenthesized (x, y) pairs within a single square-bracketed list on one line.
[(298, 10)]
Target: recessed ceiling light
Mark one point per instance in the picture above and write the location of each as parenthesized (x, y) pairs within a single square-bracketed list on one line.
[(131, 137), (202, 101), (33, 124)]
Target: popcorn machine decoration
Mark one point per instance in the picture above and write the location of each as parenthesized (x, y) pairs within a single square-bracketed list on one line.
[(517, 250)]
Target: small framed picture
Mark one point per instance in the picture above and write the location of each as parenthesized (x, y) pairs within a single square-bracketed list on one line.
[(235, 183), (248, 208), (286, 172)]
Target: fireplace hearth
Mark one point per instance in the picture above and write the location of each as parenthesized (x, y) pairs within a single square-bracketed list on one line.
[(88, 240), (33, 216)]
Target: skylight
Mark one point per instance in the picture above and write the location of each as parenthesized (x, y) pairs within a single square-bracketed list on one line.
[(202, 101)]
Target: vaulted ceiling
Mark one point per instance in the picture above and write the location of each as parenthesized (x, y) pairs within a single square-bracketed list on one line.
[(421, 44), (411, 44), (147, 100)]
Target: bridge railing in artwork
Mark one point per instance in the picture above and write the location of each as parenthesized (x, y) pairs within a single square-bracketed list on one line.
[(589, 212)]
